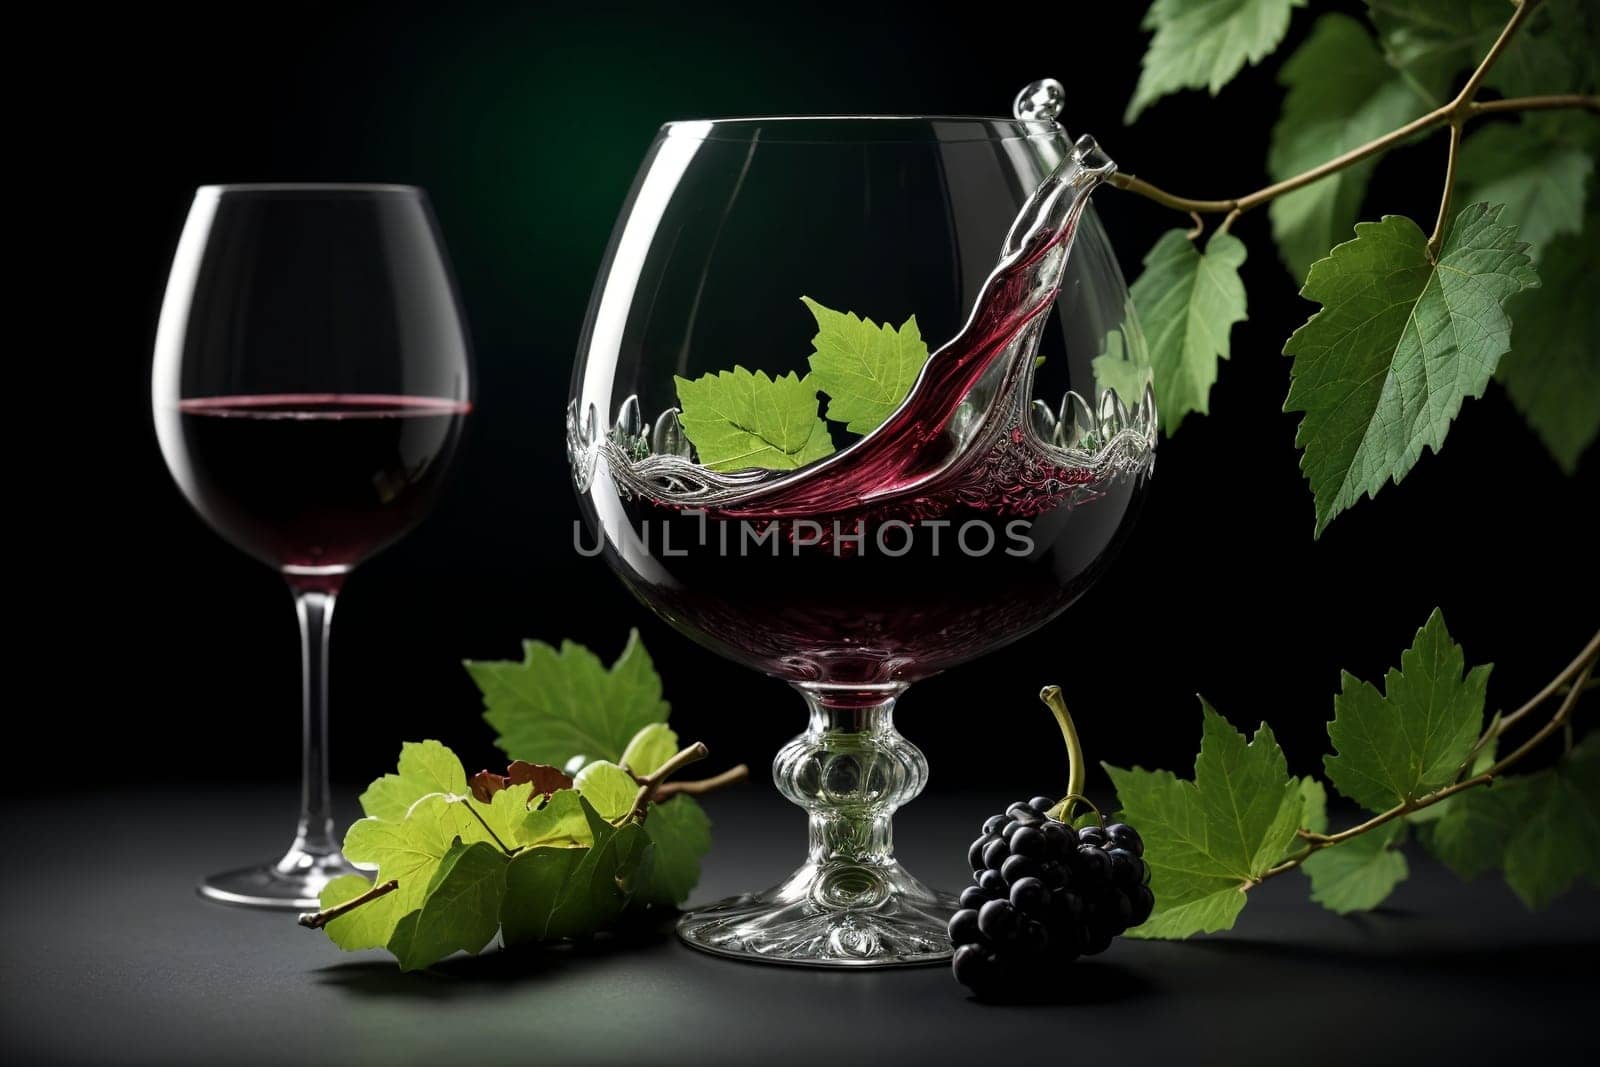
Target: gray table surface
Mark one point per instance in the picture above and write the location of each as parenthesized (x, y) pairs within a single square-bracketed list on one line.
[(109, 956)]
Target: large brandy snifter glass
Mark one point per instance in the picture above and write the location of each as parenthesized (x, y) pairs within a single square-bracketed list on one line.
[(975, 511)]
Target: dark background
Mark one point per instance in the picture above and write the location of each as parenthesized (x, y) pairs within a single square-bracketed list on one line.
[(165, 655)]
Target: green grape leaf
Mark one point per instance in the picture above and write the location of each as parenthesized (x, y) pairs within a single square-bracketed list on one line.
[(739, 418), (1341, 94), (1188, 303), (1482, 760), (368, 926), (604, 881), (1313, 805), (535, 878), (1541, 829), (1470, 837), (1552, 372), (1202, 44), (553, 705), (866, 369), (559, 822), (460, 910), (1540, 182), (1358, 874), (1313, 813), (1557, 815), (652, 746), (425, 767), (1400, 342), (1122, 368), (681, 834), (506, 813), (1432, 41), (1210, 839), (608, 788), (1412, 739), (411, 850), (554, 893)]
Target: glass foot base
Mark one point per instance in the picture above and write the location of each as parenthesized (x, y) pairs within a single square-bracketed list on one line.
[(293, 883), (829, 915)]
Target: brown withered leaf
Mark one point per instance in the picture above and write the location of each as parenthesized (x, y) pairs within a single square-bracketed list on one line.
[(546, 779)]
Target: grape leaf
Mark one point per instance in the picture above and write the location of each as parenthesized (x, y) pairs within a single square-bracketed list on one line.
[(1382, 369), (1412, 739), (1313, 805), (1188, 303), (559, 822), (1202, 44), (1553, 369), (866, 369), (425, 767), (368, 926), (460, 910), (605, 879), (1435, 40), (608, 788), (1358, 874), (1208, 840), (1341, 94), (681, 834), (555, 705), (1470, 837), (1482, 760), (554, 893), (1557, 814), (409, 851), (1122, 368), (535, 878), (1541, 182), (652, 746), (1432, 41), (506, 813), (738, 418)]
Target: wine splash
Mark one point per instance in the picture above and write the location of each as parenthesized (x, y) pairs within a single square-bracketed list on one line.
[(965, 436)]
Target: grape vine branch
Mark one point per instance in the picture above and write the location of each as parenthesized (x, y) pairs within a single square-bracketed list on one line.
[(1573, 679), (1455, 113)]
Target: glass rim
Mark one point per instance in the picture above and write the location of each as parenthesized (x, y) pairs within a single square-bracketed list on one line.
[(309, 188), (863, 129)]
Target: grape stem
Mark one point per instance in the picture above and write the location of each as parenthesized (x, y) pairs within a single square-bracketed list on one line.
[(650, 783), (1077, 767), (1578, 672), (316, 920), (1454, 113), (701, 786)]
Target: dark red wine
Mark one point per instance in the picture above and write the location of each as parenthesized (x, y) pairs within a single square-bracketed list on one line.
[(311, 483)]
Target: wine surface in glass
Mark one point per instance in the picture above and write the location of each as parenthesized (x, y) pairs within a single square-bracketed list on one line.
[(312, 482)]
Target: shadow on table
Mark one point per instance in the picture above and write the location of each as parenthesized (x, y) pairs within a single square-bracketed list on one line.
[(1080, 984), (1466, 959), (463, 976)]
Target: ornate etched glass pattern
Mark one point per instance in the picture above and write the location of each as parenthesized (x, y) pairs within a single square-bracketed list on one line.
[(977, 510)]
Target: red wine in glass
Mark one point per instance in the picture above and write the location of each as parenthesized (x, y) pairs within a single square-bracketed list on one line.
[(313, 483), (311, 379)]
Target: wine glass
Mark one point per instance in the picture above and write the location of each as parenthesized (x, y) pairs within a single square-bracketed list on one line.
[(878, 552), (310, 382)]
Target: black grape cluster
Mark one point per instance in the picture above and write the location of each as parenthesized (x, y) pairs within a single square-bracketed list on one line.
[(1042, 895)]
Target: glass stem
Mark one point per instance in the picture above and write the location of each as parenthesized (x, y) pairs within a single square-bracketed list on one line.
[(851, 770), (315, 837)]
